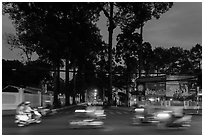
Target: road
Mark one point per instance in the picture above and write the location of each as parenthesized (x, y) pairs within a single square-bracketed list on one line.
[(118, 122)]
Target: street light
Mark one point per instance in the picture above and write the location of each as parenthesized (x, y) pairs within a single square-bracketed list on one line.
[(95, 93)]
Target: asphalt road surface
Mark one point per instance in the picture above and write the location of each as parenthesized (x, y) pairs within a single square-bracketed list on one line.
[(118, 122)]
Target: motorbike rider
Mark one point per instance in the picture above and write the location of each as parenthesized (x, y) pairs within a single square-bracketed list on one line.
[(28, 110), (148, 110), (177, 113), (20, 108), (90, 111)]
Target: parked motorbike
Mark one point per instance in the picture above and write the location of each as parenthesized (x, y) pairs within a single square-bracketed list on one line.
[(166, 119), (23, 119)]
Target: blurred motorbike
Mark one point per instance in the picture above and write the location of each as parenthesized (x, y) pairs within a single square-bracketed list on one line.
[(166, 119), (86, 123), (89, 117), (141, 117), (44, 111), (23, 119)]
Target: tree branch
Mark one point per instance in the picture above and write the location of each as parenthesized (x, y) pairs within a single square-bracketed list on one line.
[(105, 12)]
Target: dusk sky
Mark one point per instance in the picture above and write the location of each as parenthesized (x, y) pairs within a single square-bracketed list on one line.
[(180, 26)]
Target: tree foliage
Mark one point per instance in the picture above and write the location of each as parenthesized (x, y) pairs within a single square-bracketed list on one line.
[(133, 14), (19, 74), (130, 48), (57, 30)]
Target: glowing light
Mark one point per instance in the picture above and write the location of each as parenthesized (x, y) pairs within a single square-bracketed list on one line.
[(151, 99)]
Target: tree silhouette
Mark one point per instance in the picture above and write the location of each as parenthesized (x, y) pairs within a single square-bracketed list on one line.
[(30, 74), (130, 47), (54, 30)]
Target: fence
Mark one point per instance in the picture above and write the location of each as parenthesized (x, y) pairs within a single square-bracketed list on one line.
[(10, 100)]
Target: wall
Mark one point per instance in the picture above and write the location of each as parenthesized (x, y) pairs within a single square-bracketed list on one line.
[(35, 99), (11, 100)]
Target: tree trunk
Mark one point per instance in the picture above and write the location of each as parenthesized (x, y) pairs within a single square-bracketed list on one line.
[(110, 29), (146, 72), (84, 82), (127, 87), (74, 82), (56, 85), (141, 40), (67, 94)]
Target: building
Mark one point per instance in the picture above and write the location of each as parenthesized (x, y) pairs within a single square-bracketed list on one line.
[(166, 87)]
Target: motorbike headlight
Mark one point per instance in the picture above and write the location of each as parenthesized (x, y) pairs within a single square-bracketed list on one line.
[(139, 109), (80, 110), (99, 112), (163, 115)]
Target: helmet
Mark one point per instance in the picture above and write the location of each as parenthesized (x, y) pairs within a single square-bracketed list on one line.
[(27, 103)]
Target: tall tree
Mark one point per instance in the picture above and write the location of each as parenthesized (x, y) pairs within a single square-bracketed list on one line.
[(108, 9), (147, 58), (196, 60), (174, 58), (127, 51), (50, 27), (160, 59), (196, 56), (30, 74), (132, 16)]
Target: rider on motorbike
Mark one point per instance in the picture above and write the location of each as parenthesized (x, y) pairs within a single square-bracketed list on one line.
[(28, 110), (26, 115), (177, 113), (20, 108)]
